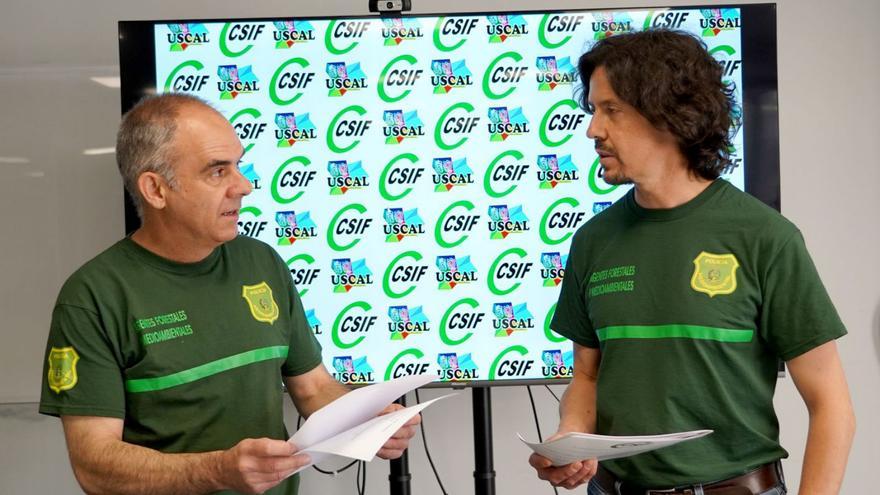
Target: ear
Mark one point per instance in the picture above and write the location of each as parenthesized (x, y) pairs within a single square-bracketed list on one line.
[(153, 189)]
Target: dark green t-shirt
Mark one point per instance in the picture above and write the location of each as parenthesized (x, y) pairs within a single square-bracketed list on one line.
[(692, 308), (190, 355)]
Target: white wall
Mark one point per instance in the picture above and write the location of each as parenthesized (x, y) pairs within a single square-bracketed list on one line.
[(62, 207)]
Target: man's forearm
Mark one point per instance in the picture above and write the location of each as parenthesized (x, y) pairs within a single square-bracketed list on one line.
[(828, 443), (577, 409)]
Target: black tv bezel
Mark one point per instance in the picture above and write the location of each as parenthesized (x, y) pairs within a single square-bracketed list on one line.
[(760, 104)]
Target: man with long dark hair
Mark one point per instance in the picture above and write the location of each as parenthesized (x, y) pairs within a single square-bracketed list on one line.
[(682, 297)]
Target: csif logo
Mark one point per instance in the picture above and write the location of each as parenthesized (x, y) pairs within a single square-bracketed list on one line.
[(560, 123), (349, 274), (345, 176), (234, 81), (507, 269), (461, 318), (291, 179), (355, 320), (250, 173), (396, 75), (348, 31), (504, 221), (251, 227), (405, 322), (596, 172), (509, 318), (502, 78), (396, 30), (400, 224), (448, 75), (400, 126), (452, 32), (392, 175), (348, 225), (289, 32), (236, 39), (248, 127), (726, 57), (504, 123), (553, 170), (289, 81), (408, 362), (505, 365), (556, 220), (342, 78), (350, 370), (715, 21), (667, 20), (402, 271), (291, 128), (556, 364), (304, 273), (553, 73), (455, 126), (183, 35), (188, 77), (314, 322), (507, 167), (453, 271), (294, 227), (455, 223), (455, 369), (448, 173), (502, 27), (555, 30), (348, 123), (553, 268), (606, 24)]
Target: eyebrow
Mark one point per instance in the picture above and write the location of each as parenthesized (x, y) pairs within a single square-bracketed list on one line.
[(222, 163)]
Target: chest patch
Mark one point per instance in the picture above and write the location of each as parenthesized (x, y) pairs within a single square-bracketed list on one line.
[(714, 274), (260, 301)]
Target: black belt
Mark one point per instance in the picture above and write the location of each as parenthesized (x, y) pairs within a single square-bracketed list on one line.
[(754, 482)]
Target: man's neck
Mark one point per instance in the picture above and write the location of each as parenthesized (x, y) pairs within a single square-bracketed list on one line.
[(169, 245), (670, 190)]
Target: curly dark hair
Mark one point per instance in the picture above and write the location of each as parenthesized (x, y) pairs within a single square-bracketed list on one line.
[(670, 78)]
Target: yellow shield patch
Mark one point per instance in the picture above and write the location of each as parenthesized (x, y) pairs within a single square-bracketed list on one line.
[(62, 368), (260, 300), (714, 274)]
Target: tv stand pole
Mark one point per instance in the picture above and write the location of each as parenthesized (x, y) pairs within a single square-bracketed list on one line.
[(399, 476), (484, 472)]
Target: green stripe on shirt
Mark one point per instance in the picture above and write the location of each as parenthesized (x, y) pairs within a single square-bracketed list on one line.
[(206, 370), (675, 332)]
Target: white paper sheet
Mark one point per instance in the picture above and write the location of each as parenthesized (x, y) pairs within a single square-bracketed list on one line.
[(578, 446)]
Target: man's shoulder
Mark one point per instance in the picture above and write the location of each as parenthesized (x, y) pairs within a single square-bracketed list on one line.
[(243, 246), (750, 212), (103, 267), (606, 221)]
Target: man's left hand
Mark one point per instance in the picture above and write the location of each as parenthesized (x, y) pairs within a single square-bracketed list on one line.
[(398, 442)]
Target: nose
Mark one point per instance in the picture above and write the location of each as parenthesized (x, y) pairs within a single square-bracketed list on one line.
[(596, 129), (242, 186)]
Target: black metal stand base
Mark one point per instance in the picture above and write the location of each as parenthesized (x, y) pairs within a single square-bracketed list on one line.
[(484, 473)]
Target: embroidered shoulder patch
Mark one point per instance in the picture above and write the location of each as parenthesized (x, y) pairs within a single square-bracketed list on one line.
[(62, 368)]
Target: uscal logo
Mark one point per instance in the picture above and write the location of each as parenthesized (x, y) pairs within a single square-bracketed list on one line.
[(314, 322), (506, 269), (289, 81), (247, 126), (355, 320), (556, 220), (502, 27), (305, 274), (250, 173), (348, 226), (553, 73), (449, 173), (505, 365), (452, 32), (510, 318), (395, 75), (342, 78), (556, 364), (187, 77), (454, 368), (408, 362), (393, 177), (461, 318), (448, 75), (453, 271), (400, 126), (401, 271), (504, 221), (396, 30), (504, 123), (348, 274), (351, 124), (455, 223), (406, 322), (501, 79), (455, 126), (234, 81), (291, 179), (249, 223), (289, 32), (291, 128), (508, 168), (345, 176), (714, 21), (344, 30), (553, 268), (555, 30), (294, 227), (183, 36), (400, 223), (554, 170), (560, 123), (236, 39), (607, 24), (352, 370)]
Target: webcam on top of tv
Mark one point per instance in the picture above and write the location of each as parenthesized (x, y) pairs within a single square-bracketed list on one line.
[(390, 6)]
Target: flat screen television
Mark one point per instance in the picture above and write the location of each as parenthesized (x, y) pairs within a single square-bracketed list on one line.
[(422, 175)]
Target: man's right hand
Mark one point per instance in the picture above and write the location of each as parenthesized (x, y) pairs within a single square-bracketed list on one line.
[(569, 476), (256, 465)]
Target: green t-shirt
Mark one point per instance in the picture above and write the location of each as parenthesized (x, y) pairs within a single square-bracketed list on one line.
[(190, 355), (692, 308)]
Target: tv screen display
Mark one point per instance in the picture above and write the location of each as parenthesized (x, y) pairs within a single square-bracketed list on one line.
[(422, 176)]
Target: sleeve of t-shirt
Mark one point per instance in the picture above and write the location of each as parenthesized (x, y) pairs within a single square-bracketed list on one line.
[(796, 315), (304, 353), (571, 319), (81, 376)]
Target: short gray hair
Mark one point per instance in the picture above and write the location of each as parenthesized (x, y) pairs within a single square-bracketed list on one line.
[(145, 138)]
